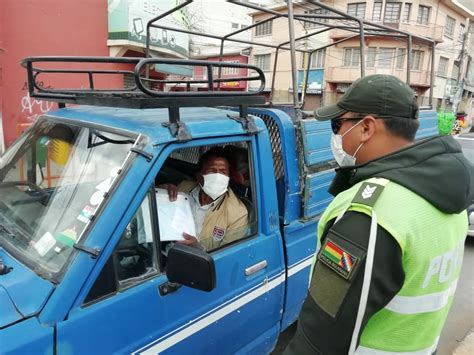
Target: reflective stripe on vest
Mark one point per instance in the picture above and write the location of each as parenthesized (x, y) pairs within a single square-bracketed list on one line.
[(362, 350), (420, 304)]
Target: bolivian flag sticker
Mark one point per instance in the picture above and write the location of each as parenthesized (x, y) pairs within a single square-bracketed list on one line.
[(338, 259)]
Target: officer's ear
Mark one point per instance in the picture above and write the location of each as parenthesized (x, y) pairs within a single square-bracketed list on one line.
[(368, 127)]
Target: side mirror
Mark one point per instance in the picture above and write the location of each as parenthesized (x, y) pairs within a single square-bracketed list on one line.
[(191, 267)]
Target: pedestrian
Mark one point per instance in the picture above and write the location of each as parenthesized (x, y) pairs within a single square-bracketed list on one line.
[(392, 240)]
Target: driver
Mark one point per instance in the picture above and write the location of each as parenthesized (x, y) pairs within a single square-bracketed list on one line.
[(219, 215)]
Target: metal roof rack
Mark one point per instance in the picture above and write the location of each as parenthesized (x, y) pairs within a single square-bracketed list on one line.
[(143, 94)]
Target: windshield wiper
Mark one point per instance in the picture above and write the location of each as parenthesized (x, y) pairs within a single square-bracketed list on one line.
[(105, 140), (94, 252)]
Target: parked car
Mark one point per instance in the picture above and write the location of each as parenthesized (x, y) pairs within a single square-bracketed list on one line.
[(467, 143)]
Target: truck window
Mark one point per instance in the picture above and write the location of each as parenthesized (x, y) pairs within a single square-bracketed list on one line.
[(52, 182), (214, 222), (133, 260)]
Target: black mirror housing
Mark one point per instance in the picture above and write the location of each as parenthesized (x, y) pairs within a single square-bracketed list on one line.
[(191, 267)]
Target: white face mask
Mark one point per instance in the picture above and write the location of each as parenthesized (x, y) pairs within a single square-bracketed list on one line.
[(215, 184), (342, 158)]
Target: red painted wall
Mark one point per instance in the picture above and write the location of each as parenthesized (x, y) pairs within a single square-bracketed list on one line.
[(38, 28)]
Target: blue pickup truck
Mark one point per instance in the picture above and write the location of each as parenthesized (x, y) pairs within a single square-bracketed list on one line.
[(83, 269)]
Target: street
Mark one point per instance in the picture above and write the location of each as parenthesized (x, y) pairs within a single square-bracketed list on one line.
[(460, 321)]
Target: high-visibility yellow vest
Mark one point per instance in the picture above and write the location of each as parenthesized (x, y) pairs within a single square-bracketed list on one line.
[(432, 245)]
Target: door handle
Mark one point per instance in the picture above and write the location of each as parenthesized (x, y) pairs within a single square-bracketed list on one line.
[(168, 287), (257, 267)]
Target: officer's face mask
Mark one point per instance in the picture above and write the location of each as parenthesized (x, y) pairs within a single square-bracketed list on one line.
[(342, 158), (215, 184)]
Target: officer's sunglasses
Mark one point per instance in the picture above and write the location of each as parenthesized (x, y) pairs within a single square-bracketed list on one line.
[(336, 123)]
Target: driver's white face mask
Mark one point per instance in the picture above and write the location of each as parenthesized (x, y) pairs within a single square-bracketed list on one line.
[(215, 184), (342, 158)]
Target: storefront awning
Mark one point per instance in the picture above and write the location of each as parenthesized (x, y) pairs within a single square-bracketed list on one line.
[(182, 70)]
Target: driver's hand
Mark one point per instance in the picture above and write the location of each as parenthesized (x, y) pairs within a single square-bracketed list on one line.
[(189, 240), (172, 191)]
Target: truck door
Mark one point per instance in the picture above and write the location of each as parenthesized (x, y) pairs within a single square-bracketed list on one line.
[(130, 306)]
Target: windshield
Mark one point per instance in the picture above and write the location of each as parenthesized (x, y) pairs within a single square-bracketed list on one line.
[(52, 181)]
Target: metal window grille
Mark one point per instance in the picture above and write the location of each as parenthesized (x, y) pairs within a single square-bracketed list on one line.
[(371, 53), (226, 70), (443, 66), (263, 61), (384, 57), (319, 11), (351, 57), (401, 54), (449, 26), (406, 12), (392, 12), (423, 15), (416, 60), (356, 9), (377, 11), (317, 59), (462, 29), (264, 29)]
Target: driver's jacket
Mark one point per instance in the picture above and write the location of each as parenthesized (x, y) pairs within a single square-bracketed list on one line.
[(225, 222)]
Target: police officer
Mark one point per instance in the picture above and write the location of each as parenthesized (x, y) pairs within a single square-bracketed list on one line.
[(392, 240)]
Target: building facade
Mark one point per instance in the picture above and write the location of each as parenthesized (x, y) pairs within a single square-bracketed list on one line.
[(70, 28), (334, 68)]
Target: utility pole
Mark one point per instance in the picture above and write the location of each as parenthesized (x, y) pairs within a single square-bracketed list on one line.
[(460, 79)]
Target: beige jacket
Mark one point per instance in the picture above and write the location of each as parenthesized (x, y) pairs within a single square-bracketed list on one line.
[(225, 222)]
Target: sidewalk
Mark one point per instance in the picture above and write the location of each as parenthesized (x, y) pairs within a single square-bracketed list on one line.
[(466, 346)]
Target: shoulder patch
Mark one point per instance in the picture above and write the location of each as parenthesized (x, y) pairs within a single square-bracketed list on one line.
[(368, 193), (338, 259)]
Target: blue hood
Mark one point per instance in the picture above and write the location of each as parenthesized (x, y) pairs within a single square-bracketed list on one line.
[(22, 292)]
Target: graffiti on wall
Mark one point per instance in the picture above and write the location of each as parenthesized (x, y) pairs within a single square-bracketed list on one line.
[(31, 108)]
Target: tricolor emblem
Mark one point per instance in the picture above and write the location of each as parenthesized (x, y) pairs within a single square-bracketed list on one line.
[(337, 258)]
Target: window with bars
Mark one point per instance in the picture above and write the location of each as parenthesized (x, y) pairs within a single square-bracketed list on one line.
[(449, 27), (264, 29), (400, 60), (442, 66), (318, 58), (371, 53), (316, 12), (356, 9), (263, 61), (392, 12), (377, 11), (416, 59), (406, 12), (351, 57), (462, 29), (385, 57), (455, 71), (423, 15), (226, 70)]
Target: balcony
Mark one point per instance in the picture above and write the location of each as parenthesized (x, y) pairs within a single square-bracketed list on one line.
[(350, 74), (432, 31)]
